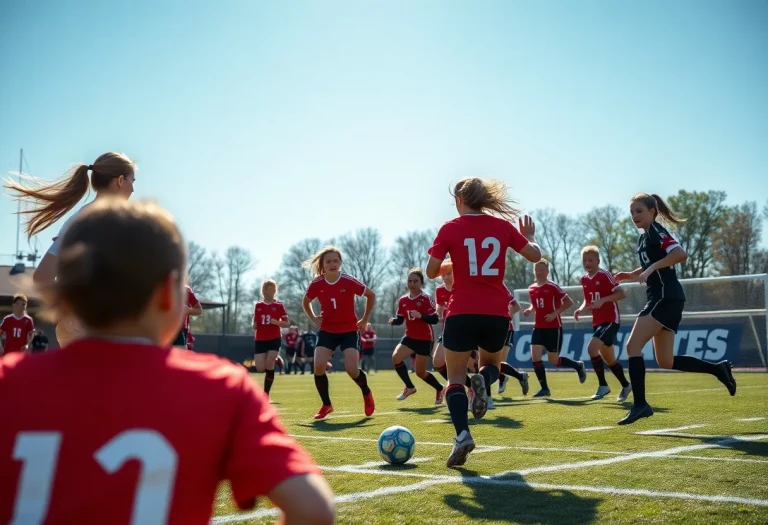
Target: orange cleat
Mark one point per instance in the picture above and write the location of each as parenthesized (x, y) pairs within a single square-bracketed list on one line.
[(370, 406)]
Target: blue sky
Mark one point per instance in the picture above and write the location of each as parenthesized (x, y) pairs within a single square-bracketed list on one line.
[(261, 123)]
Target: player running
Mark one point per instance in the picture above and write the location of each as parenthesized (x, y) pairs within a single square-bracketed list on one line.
[(477, 317), (548, 301), (112, 174), (417, 310), (601, 293), (368, 348), (164, 426), (338, 323), (17, 327), (269, 316), (292, 349), (661, 316), (506, 369)]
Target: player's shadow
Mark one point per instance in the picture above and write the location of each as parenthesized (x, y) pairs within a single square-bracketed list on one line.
[(426, 411), (569, 402), (624, 407), (334, 426), (505, 422), (397, 468), (512, 500), (750, 448)]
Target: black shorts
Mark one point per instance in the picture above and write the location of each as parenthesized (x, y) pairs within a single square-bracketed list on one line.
[(181, 338), (510, 338), (368, 351), (668, 312), (550, 338), (331, 341), (418, 346), (606, 332), (309, 352), (262, 347), (290, 352), (467, 332)]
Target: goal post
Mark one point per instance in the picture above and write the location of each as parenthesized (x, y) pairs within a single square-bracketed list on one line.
[(724, 318)]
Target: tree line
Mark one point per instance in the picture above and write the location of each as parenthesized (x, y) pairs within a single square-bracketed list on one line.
[(720, 239)]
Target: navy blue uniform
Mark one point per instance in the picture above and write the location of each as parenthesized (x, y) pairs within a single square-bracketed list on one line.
[(664, 292)]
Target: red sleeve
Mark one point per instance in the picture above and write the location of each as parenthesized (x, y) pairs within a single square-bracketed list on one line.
[(192, 300), (516, 240), (611, 279), (559, 292), (255, 312), (261, 455), (400, 309), (668, 243), (283, 312), (431, 307), (440, 245), (312, 291)]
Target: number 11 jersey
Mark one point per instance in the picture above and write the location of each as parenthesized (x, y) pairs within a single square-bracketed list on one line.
[(477, 244)]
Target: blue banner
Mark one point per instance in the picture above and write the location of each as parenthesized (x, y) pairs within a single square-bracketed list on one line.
[(712, 342)]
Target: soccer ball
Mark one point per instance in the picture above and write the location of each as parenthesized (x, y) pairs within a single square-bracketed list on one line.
[(396, 445)]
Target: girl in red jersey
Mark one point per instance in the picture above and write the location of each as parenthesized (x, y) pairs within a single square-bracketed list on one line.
[(477, 317), (165, 426), (112, 174), (601, 293), (417, 310), (506, 369), (192, 307), (659, 252), (368, 348), (338, 323), (292, 350), (548, 301), (269, 316), (17, 327)]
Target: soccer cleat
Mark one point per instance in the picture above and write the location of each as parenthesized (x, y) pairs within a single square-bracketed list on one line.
[(602, 391), (324, 411), (406, 392), (503, 384), (582, 371), (370, 405), (730, 381), (480, 399), (439, 396), (624, 394), (491, 405), (463, 444), (636, 413), (544, 392), (524, 383)]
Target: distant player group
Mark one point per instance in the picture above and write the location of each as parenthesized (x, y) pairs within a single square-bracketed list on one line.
[(115, 277)]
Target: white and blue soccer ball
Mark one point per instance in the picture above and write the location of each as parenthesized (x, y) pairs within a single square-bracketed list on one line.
[(396, 445)]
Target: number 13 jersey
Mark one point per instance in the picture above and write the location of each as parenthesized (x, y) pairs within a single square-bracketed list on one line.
[(477, 244)]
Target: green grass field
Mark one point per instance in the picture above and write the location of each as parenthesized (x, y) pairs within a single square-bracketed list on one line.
[(702, 458)]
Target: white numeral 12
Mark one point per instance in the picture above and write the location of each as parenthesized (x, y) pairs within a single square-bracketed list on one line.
[(488, 242)]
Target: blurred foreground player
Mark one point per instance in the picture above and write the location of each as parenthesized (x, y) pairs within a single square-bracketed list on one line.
[(118, 426)]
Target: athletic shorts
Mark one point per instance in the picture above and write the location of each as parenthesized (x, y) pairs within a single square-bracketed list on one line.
[(309, 352), (510, 338), (331, 341), (368, 351), (550, 338), (606, 332), (181, 338), (290, 352), (418, 346), (262, 347), (668, 312), (467, 332)]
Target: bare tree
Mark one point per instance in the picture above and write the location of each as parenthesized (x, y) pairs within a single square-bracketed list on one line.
[(202, 277), (548, 238), (410, 251), (704, 211), (364, 256), (518, 273), (294, 279), (615, 235), (571, 238), (230, 273)]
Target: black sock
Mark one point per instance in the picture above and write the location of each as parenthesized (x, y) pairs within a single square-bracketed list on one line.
[(457, 401), (490, 373), (402, 371), (637, 377), (618, 371), (321, 383), (432, 381), (509, 370), (270, 377), (443, 372), (686, 363), (599, 366), (567, 362), (362, 382), (541, 374), (468, 382)]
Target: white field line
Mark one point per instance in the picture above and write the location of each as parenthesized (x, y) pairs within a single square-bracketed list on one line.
[(591, 429), (495, 480), (494, 447), (663, 431), (751, 419), (582, 398), (431, 421), (736, 460)]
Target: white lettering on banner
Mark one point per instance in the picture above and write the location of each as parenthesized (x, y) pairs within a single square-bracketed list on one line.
[(696, 340), (523, 348), (566, 351), (585, 347), (717, 343)]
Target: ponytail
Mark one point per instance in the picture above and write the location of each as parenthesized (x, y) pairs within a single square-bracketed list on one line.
[(654, 202), (486, 195)]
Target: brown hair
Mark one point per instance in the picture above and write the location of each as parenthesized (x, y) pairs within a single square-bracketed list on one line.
[(268, 282), (127, 249), (316, 261), (417, 271), (486, 195), (53, 200), (19, 297), (654, 202)]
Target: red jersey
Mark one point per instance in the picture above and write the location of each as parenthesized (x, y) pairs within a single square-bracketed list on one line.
[(165, 426), (192, 302), (601, 285), (291, 339), (263, 313), (16, 330), (417, 328), (477, 244), (545, 300), (367, 334), (337, 302)]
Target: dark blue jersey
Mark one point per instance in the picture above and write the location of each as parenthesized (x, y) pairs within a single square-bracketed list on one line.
[(310, 340), (653, 246)]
